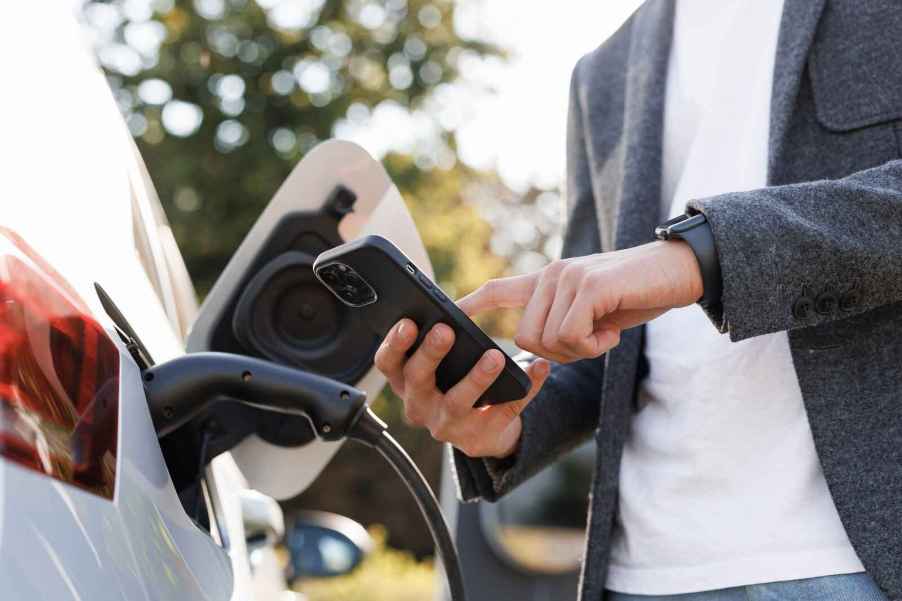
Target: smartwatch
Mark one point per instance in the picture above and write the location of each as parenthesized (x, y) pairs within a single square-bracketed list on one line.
[(696, 232)]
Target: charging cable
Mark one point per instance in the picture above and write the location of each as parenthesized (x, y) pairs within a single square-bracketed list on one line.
[(184, 388), (373, 432)]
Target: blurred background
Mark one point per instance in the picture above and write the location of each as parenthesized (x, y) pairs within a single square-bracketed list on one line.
[(465, 103)]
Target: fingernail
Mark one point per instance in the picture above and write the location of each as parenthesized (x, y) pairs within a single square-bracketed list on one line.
[(489, 362), (439, 335), (402, 329)]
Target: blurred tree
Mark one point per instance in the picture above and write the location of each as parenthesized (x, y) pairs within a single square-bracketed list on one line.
[(225, 96)]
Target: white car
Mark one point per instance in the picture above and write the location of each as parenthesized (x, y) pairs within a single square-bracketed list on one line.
[(93, 289)]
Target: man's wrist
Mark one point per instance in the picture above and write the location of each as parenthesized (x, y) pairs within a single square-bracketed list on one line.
[(696, 232), (514, 432), (688, 265)]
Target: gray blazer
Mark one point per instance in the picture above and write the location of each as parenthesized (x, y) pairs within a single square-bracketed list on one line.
[(817, 253)]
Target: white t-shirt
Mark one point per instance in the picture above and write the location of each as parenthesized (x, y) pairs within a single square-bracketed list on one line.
[(720, 483)]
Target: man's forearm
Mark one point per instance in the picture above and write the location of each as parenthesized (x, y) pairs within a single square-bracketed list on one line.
[(804, 254)]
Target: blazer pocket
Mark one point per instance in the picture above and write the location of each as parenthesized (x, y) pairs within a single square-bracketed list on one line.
[(856, 65)]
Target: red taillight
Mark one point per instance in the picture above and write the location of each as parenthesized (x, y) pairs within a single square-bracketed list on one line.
[(59, 375)]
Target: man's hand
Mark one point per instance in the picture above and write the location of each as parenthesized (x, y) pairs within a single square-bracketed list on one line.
[(491, 431), (576, 308)]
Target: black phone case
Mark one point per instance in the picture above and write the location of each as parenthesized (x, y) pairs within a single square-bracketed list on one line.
[(402, 290)]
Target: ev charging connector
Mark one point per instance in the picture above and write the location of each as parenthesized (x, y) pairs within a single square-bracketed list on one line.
[(181, 389)]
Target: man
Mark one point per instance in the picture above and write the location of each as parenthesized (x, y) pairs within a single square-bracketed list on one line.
[(758, 457)]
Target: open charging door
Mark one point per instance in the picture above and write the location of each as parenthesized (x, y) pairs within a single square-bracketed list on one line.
[(267, 303)]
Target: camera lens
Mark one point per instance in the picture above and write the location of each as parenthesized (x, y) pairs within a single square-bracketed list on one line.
[(353, 280), (328, 275)]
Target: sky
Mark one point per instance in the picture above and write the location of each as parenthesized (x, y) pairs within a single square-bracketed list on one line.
[(519, 128)]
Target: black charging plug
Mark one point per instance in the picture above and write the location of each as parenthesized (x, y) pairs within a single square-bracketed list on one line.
[(180, 389)]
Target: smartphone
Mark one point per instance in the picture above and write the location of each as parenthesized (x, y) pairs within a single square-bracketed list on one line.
[(372, 275)]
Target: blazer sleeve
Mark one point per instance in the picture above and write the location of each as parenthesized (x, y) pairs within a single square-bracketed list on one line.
[(805, 254), (565, 412)]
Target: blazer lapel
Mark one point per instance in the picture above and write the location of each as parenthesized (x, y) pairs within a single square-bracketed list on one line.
[(797, 29), (633, 181), (638, 209)]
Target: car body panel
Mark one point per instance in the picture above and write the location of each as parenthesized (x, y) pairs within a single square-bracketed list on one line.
[(60, 542), (70, 194)]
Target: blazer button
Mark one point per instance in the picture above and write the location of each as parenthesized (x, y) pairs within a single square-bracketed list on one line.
[(802, 307), (826, 303), (849, 300)]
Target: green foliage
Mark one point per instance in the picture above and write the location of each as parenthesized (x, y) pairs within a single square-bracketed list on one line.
[(268, 84), (385, 575)]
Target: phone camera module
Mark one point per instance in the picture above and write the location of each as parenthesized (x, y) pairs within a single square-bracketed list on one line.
[(347, 285)]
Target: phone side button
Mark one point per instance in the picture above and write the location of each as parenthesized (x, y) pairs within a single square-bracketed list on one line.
[(439, 295), (424, 280)]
